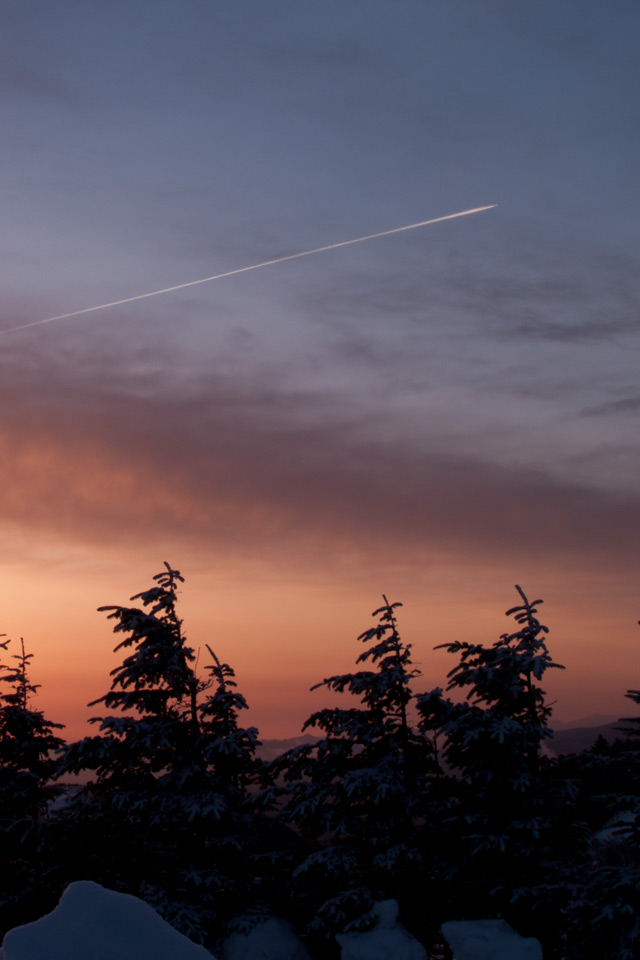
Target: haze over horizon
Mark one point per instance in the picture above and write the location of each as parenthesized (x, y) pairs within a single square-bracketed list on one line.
[(436, 415)]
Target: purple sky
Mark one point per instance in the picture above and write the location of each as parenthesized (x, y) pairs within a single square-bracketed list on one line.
[(460, 397)]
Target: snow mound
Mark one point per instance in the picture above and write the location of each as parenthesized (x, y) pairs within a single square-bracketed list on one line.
[(489, 940), (92, 923), (386, 940), (272, 940)]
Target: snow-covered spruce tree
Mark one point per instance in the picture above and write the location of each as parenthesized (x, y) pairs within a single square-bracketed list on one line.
[(228, 748), (508, 814), (608, 777), (28, 748), (602, 911), (165, 813), (357, 792)]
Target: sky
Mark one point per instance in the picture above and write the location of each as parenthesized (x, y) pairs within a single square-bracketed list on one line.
[(435, 415)]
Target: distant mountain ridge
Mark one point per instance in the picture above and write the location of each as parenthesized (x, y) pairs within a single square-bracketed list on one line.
[(571, 736), (270, 749), (577, 739), (593, 720)]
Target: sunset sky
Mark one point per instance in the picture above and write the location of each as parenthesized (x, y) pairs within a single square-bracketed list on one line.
[(435, 415)]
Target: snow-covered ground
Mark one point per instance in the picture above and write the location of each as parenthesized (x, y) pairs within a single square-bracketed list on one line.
[(489, 940), (92, 923), (272, 940)]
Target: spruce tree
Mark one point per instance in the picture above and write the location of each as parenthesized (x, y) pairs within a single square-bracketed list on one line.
[(228, 748), (505, 815), (631, 756), (155, 688), (28, 749), (355, 795), (602, 914), (172, 771)]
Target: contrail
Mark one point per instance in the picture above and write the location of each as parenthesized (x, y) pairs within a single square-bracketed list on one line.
[(254, 266)]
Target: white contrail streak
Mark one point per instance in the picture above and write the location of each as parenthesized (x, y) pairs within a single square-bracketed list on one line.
[(254, 266)]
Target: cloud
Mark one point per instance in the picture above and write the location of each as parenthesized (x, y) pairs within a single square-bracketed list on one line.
[(256, 470), (625, 405)]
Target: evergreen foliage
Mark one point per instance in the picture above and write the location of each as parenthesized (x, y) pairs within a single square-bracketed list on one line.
[(28, 749), (357, 792), (165, 815), (504, 815), (228, 748), (631, 757), (465, 815), (605, 898), (138, 756), (28, 744)]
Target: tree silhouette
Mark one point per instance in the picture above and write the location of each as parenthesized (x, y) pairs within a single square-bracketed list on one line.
[(358, 791), (172, 770), (28, 749), (503, 815)]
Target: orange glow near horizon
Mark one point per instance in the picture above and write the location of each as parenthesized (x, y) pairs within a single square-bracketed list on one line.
[(281, 637)]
